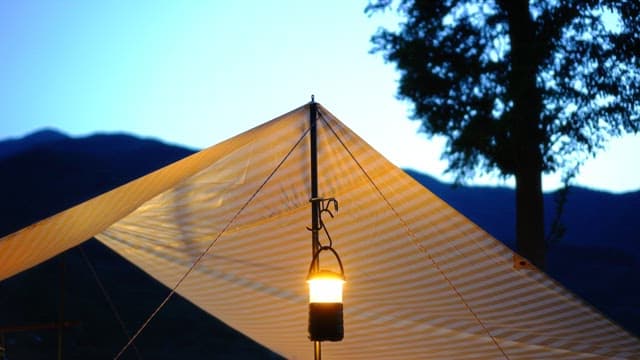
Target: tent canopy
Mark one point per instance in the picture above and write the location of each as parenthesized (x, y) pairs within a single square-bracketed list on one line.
[(423, 281)]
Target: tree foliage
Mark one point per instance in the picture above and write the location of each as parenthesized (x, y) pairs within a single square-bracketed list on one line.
[(518, 87), (456, 62)]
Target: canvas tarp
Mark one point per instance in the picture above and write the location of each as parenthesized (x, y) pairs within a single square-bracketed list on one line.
[(422, 280)]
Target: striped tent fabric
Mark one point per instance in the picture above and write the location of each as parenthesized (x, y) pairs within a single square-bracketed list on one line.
[(423, 281)]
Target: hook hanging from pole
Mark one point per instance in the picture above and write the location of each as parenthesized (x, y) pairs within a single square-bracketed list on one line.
[(324, 207)]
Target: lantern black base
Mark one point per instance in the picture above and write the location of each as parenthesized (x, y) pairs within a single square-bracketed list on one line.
[(325, 322)]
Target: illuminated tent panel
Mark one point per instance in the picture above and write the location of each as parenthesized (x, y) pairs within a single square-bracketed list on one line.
[(422, 280)]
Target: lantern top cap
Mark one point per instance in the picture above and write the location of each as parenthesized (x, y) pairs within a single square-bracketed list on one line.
[(324, 274)]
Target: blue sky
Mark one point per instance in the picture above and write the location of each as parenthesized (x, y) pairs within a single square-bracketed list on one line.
[(197, 72)]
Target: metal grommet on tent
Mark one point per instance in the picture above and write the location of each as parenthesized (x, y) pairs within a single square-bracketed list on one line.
[(520, 262)]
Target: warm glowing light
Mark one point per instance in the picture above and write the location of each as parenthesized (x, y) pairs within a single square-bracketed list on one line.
[(325, 287)]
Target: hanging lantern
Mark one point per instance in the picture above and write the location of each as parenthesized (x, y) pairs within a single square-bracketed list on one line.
[(325, 302)]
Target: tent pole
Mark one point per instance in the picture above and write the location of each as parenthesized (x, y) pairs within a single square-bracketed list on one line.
[(317, 351), (315, 205)]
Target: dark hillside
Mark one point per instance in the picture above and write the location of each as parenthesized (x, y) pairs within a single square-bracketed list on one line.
[(48, 178), (180, 331)]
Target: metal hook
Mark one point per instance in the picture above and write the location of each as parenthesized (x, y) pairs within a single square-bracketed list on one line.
[(324, 205)]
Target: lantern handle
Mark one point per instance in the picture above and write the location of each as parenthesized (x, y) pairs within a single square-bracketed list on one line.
[(316, 257)]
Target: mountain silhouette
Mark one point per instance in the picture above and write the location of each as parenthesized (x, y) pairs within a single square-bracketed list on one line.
[(49, 176), (42, 137), (47, 172)]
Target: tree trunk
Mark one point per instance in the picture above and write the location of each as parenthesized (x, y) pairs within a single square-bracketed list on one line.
[(530, 216), (527, 136)]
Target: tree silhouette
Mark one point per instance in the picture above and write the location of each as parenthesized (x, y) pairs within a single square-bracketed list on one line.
[(518, 88)]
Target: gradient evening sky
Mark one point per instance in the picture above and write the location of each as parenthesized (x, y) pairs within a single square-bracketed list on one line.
[(197, 72)]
